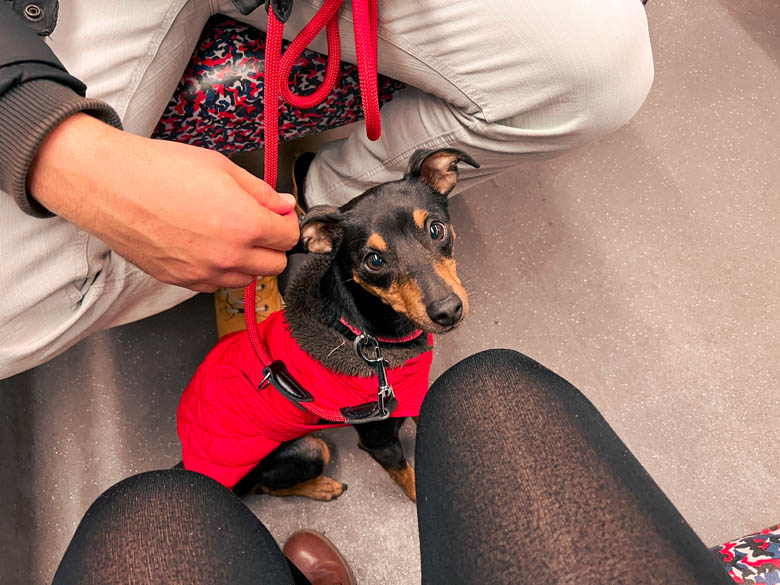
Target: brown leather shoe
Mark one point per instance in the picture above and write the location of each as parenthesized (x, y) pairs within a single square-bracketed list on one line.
[(318, 559)]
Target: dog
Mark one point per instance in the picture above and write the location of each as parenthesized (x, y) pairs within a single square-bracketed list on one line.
[(378, 279)]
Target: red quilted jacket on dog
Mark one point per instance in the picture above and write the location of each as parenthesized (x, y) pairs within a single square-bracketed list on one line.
[(227, 426)]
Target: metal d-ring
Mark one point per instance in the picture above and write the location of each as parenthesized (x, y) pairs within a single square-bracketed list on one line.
[(363, 340)]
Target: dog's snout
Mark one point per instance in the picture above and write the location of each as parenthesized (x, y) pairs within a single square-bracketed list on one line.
[(446, 311)]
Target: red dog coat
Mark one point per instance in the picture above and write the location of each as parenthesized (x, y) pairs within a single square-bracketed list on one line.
[(227, 426)]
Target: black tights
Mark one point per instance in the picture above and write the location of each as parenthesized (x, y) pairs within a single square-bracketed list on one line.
[(519, 480)]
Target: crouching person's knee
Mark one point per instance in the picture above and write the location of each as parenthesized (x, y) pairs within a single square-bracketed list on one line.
[(616, 72), (596, 75)]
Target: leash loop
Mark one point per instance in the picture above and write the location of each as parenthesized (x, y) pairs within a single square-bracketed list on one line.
[(326, 17)]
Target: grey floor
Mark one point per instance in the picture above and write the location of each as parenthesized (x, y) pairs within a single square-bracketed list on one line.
[(644, 268)]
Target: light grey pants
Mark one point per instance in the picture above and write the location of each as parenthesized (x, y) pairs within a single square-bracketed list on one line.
[(501, 80)]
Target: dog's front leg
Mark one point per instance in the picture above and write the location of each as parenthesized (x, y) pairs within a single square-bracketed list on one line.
[(293, 469), (380, 440)]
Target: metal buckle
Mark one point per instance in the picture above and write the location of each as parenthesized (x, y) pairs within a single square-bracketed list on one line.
[(367, 348)]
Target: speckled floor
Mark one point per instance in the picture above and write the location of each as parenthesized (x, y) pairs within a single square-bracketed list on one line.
[(644, 268)]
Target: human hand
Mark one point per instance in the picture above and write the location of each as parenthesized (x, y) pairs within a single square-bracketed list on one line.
[(185, 215)]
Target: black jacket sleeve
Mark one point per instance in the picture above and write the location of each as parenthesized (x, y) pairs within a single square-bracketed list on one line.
[(36, 94)]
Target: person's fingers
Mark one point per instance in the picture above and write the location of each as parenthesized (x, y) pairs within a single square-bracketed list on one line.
[(274, 231), (262, 262), (263, 193), (225, 280), (234, 280), (201, 288), (276, 225)]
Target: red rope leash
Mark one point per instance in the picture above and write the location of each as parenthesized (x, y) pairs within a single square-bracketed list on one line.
[(328, 13), (277, 75), (364, 14)]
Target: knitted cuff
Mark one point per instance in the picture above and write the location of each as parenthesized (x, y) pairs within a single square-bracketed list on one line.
[(28, 112)]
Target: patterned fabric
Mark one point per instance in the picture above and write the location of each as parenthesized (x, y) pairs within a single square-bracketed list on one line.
[(754, 558), (219, 101)]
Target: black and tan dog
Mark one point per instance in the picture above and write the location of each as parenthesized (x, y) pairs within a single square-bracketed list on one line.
[(382, 263)]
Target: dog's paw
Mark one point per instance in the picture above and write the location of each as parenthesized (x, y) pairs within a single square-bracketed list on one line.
[(322, 488), (405, 478)]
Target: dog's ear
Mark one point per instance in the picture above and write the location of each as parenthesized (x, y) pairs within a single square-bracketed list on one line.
[(438, 168), (321, 229)]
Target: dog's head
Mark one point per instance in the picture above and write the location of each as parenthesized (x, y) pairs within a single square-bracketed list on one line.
[(396, 241)]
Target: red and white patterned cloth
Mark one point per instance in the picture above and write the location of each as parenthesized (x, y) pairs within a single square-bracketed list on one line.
[(219, 101), (754, 558)]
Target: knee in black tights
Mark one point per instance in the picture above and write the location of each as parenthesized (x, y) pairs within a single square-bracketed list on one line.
[(171, 526), (485, 380), (521, 480)]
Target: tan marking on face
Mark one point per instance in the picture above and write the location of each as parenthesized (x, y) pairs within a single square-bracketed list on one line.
[(420, 215), (405, 478), (376, 242), (404, 297), (446, 270)]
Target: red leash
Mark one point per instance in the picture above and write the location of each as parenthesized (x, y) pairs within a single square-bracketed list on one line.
[(277, 75)]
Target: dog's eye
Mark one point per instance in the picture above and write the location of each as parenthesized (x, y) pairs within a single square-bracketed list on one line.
[(437, 230), (374, 261)]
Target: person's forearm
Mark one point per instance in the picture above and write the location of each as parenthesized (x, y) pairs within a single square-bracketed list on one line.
[(72, 157), (28, 114), (36, 94), (185, 215)]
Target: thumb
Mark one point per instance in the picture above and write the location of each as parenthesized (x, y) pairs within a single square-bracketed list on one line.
[(264, 194)]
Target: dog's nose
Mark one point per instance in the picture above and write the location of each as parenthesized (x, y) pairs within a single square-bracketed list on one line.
[(446, 311)]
